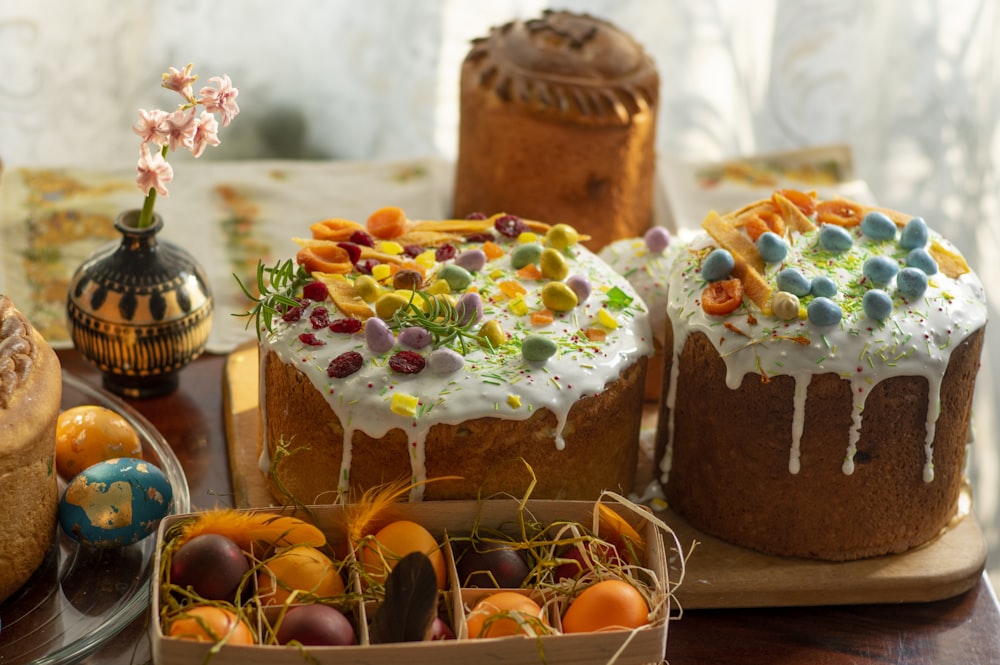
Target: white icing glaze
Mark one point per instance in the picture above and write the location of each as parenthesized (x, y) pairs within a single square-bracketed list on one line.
[(500, 385), (647, 272), (916, 340)]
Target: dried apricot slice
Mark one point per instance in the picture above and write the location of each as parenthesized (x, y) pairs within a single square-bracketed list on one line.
[(801, 200), (387, 222), (722, 297), (840, 212)]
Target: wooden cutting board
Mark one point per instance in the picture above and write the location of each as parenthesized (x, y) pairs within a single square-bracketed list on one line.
[(718, 574)]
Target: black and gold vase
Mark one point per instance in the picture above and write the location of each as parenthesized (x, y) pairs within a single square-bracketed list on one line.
[(139, 310)]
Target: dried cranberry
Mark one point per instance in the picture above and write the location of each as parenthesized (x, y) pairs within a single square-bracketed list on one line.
[(315, 291), (320, 318), (479, 237), (364, 266), (353, 250), (476, 215), (510, 225), (413, 251), (345, 364), (445, 252), (292, 314), (311, 339), (345, 325), (362, 238), (406, 362)]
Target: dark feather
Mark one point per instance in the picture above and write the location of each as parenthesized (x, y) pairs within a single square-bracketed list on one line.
[(410, 605)]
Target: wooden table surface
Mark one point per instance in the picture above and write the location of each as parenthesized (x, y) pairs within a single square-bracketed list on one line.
[(964, 629)]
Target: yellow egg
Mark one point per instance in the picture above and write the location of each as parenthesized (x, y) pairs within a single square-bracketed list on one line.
[(86, 435)]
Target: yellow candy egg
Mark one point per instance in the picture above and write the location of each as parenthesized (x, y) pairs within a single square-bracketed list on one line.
[(558, 297), (88, 434)]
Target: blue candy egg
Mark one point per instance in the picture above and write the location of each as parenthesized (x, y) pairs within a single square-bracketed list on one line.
[(824, 312), (911, 282), (772, 247), (877, 226), (717, 265), (823, 286), (115, 503), (794, 282), (914, 234), (834, 238), (877, 304), (922, 259), (880, 269)]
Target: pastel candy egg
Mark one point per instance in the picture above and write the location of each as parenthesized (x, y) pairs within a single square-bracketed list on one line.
[(657, 239), (914, 234), (717, 265), (562, 236), (772, 247), (469, 308), (580, 285), (415, 337), (922, 259), (794, 282), (880, 269), (525, 254), (558, 297), (911, 282), (785, 305), (877, 226), (823, 286), (834, 238), (824, 312), (443, 361), (553, 264), (538, 348), (458, 278), (877, 304), (378, 336), (115, 503), (472, 260)]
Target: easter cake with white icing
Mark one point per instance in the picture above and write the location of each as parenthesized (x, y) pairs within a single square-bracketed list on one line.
[(822, 357), (30, 394), (482, 355)]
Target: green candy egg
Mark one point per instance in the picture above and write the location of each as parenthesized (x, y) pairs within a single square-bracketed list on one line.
[(525, 255), (538, 348), (457, 277)]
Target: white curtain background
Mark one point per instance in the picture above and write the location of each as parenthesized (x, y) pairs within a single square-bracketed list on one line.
[(913, 86)]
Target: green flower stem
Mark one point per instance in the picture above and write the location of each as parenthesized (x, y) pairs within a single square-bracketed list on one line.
[(146, 216)]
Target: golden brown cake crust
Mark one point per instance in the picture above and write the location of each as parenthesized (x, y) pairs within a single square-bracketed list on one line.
[(600, 436), (558, 122), (30, 394), (730, 476)]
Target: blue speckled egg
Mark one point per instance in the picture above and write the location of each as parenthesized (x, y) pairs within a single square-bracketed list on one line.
[(793, 281), (880, 269), (914, 234), (116, 502), (833, 238), (717, 265), (772, 247), (877, 304), (824, 312), (911, 282), (922, 259), (877, 226), (823, 286)]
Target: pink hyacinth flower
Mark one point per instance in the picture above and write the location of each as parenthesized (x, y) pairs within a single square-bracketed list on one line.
[(183, 126), (206, 133), (152, 127), (180, 81), (154, 171), (222, 99)]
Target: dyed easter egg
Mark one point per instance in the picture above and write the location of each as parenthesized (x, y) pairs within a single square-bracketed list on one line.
[(116, 502)]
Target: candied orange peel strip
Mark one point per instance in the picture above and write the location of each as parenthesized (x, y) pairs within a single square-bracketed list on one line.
[(949, 262), (344, 296)]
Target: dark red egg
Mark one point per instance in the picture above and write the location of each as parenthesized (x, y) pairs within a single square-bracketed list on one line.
[(491, 566), (211, 565), (316, 625)]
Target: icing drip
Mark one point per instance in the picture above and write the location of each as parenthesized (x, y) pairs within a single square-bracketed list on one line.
[(802, 381)]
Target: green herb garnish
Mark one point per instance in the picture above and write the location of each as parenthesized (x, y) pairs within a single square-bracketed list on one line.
[(275, 286)]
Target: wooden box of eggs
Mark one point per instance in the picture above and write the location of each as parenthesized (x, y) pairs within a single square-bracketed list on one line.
[(425, 582)]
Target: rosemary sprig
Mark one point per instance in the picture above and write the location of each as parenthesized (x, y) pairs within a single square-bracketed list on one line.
[(441, 319), (275, 285)]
